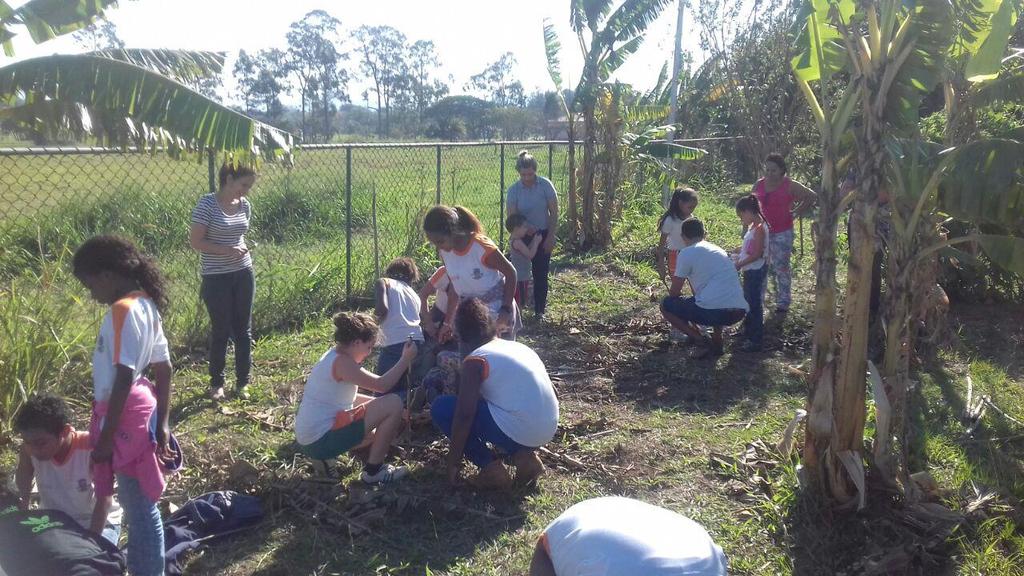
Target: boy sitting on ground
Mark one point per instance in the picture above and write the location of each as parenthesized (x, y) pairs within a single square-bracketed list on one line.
[(718, 297), (57, 457)]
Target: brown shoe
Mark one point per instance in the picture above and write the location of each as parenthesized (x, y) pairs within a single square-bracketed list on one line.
[(528, 467), (493, 477)]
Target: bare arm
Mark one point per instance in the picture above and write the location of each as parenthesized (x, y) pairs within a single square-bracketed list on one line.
[(381, 298), (541, 564), (465, 413), (162, 374), (115, 407), (497, 260), (549, 242), (197, 240), (23, 478), (805, 198), (99, 514), (677, 286), (661, 265), (363, 378)]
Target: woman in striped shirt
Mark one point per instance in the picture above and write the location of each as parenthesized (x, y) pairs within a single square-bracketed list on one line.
[(219, 224)]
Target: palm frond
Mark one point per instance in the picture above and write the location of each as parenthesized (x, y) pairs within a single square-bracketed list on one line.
[(633, 17), (552, 50), (930, 32), (150, 103), (182, 65), (985, 182), (1008, 88), (48, 19), (617, 58)]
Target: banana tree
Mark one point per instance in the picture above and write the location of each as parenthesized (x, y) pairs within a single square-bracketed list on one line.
[(552, 50), (893, 52), (124, 96), (606, 37), (982, 183)]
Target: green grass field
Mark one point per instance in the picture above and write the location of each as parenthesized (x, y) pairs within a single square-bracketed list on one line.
[(49, 204), (639, 418)]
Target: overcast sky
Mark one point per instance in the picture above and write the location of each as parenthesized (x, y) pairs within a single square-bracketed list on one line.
[(469, 34)]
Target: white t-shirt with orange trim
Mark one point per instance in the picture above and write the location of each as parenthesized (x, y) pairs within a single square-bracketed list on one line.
[(471, 276), (440, 281), (672, 228), (324, 396), (616, 536), (518, 391), (131, 335), (66, 485)]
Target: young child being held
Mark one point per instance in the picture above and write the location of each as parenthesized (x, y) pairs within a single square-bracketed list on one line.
[(128, 412), (751, 263), (57, 457), (398, 311), (522, 248), (334, 418), (684, 202)]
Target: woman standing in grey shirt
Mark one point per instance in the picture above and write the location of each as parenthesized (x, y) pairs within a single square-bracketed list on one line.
[(534, 197), (219, 224)]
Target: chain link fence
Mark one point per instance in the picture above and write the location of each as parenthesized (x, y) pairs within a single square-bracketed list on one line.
[(323, 226)]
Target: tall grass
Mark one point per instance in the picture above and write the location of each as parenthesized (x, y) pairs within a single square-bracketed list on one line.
[(49, 205)]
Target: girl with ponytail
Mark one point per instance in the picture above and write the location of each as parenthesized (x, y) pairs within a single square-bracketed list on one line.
[(751, 262), (475, 266), (127, 408)]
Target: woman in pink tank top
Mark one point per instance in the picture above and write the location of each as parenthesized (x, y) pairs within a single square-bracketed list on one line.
[(781, 199)]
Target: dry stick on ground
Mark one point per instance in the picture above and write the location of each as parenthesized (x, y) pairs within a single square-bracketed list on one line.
[(565, 459), (323, 510), (577, 372)]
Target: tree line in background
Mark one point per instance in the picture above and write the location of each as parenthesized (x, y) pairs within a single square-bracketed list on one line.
[(407, 98)]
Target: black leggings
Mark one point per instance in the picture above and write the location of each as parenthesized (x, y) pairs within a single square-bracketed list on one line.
[(228, 298)]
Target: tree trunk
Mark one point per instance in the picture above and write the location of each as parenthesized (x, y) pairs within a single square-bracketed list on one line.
[(572, 217), (589, 145)]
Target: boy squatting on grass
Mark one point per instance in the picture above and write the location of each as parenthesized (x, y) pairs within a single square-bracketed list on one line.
[(57, 458), (521, 253), (718, 298), (333, 418)]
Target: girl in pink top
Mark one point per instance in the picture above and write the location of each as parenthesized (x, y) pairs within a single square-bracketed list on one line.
[(781, 198)]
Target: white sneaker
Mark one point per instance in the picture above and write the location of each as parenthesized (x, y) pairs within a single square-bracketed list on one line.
[(385, 475)]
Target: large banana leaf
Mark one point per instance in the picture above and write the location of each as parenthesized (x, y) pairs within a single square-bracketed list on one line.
[(633, 17), (552, 49), (651, 143), (152, 103), (1006, 251), (985, 182), (1007, 88), (929, 36), (820, 52), (47, 19), (182, 65), (986, 27), (617, 58)]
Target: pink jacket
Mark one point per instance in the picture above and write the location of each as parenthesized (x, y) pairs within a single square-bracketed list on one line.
[(134, 444)]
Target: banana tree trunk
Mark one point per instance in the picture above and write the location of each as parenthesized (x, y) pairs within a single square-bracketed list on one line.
[(572, 217), (589, 145)]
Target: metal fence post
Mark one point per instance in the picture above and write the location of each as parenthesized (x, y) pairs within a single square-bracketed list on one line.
[(348, 225), (501, 201), (551, 154), (438, 174), (211, 168)]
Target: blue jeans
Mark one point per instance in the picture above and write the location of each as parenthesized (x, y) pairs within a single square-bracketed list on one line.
[(112, 533), (145, 529), (484, 430), (386, 360), (687, 310), (753, 291), (228, 299)]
